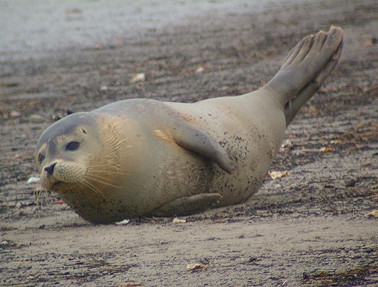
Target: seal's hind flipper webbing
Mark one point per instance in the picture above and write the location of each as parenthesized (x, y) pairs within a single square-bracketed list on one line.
[(305, 69)]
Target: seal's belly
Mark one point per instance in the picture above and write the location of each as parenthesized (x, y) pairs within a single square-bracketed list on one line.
[(250, 135)]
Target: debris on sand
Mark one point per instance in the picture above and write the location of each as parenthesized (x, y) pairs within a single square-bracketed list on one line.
[(197, 267), (33, 179), (372, 214), (178, 220), (141, 77), (123, 222), (278, 174)]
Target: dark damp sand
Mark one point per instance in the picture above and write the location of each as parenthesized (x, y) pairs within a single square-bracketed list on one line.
[(306, 229)]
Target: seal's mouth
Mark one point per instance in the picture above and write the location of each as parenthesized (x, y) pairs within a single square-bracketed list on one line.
[(52, 186), (57, 184), (63, 187)]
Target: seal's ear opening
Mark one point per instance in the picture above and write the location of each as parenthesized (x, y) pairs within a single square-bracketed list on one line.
[(198, 141)]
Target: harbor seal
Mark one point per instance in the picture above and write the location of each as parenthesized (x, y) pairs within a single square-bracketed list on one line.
[(143, 157)]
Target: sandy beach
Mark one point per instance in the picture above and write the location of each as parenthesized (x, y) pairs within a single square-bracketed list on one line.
[(314, 226)]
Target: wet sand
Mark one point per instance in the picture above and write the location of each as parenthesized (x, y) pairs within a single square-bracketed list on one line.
[(309, 228)]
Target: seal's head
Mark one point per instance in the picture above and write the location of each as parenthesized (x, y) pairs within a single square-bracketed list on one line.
[(71, 155)]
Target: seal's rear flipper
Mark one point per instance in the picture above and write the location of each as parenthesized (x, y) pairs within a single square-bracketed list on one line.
[(188, 205), (305, 69)]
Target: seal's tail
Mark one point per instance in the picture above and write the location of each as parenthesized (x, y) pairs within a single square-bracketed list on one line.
[(305, 69)]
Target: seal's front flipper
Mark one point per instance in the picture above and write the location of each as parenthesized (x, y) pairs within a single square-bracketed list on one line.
[(193, 138), (188, 205)]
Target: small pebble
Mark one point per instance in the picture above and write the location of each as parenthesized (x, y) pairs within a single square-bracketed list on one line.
[(123, 222), (178, 220), (200, 69), (141, 77), (15, 114), (33, 179), (350, 183)]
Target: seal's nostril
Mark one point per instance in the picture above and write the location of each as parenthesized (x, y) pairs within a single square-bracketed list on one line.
[(50, 169)]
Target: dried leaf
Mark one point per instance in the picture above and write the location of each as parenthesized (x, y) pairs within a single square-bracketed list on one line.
[(33, 179), (129, 284), (278, 174), (119, 42), (327, 149), (141, 77), (373, 213), (286, 143), (59, 202), (369, 43), (15, 114), (123, 222), (97, 46), (197, 267), (366, 165), (74, 11), (178, 220), (335, 142), (200, 69)]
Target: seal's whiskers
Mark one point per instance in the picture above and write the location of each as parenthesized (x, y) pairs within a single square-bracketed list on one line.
[(98, 179), (91, 187)]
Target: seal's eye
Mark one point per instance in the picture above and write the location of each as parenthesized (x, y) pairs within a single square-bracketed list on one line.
[(72, 146), (41, 157)]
